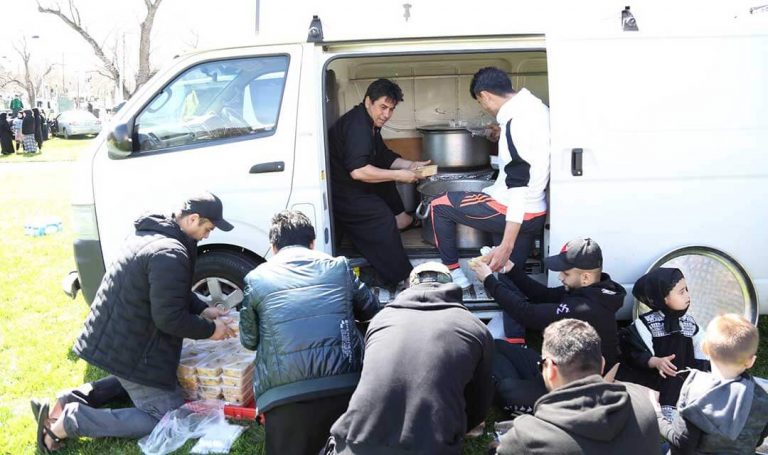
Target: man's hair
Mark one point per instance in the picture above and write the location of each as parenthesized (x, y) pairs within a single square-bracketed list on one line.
[(731, 338), (385, 88), (490, 79), (574, 346), (291, 227)]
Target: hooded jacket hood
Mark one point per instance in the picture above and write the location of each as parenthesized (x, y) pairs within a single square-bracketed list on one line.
[(607, 292), (589, 407), (430, 296), (653, 287), (166, 226), (717, 406)]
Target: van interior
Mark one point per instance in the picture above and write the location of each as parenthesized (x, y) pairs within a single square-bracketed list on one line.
[(436, 92)]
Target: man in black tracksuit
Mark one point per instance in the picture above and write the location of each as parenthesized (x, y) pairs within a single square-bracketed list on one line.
[(426, 376), (587, 294), (143, 310)]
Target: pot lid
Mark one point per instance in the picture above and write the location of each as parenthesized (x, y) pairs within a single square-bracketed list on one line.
[(441, 127)]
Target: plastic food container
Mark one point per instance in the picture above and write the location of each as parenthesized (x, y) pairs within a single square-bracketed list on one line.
[(238, 368), (210, 392), (209, 380), (212, 365)]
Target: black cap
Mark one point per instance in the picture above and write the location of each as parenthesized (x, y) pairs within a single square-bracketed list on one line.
[(209, 206), (583, 254)]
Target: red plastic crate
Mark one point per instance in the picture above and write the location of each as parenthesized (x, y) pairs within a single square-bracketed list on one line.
[(245, 412)]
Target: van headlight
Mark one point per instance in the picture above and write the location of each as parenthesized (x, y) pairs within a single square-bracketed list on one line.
[(84, 222)]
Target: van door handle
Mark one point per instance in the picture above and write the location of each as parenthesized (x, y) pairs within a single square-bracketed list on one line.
[(576, 154), (262, 168)]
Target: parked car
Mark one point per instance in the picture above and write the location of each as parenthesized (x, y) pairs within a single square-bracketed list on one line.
[(76, 123)]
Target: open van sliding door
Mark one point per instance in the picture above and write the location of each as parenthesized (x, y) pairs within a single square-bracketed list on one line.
[(224, 121), (659, 142)]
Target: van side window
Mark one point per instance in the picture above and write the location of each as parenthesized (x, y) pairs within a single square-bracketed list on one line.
[(237, 98)]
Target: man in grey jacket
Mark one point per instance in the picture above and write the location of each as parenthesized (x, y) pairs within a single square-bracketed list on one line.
[(582, 413), (299, 316)]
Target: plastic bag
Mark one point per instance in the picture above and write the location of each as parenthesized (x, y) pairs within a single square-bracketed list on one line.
[(192, 420), (218, 439)]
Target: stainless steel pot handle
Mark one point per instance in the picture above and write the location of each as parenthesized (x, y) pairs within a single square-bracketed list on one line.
[(422, 207)]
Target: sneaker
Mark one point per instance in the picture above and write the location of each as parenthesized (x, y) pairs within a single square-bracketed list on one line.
[(460, 279)]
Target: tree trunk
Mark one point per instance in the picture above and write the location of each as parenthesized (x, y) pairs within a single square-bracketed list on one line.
[(112, 71), (145, 71)]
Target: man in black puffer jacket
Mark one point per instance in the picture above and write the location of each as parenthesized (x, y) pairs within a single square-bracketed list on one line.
[(143, 310), (299, 315)]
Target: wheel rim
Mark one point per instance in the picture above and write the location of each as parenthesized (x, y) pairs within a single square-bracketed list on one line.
[(217, 291)]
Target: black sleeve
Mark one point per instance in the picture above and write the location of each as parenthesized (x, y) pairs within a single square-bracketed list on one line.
[(384, 156), (478, 394), (365, 305), (358, 143), (513, 302), (680, 434), (534, 290), (169, 285), (198, 306), (633, 350)]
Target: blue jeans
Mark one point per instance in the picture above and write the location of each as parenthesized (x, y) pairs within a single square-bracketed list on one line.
[(82, 418)]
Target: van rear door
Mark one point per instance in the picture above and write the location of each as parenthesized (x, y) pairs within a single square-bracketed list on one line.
[(658, 141), (224, 121)]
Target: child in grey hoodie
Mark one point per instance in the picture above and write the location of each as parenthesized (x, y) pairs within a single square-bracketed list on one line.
[(724, 411)]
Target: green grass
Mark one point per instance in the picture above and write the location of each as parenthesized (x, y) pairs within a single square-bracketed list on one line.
[(54, 149), (38, 323)]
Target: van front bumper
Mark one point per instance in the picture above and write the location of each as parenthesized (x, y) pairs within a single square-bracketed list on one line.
[(90, 270)]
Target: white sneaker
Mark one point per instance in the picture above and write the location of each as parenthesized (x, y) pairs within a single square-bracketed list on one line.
[(460, 279)]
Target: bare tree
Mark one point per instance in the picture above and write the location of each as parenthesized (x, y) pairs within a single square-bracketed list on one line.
[(72, 18), (30, 83)]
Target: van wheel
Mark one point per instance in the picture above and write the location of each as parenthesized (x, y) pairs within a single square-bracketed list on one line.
[(219, 277)]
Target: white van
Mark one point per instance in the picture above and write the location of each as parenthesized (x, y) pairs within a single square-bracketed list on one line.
[(658, 142)]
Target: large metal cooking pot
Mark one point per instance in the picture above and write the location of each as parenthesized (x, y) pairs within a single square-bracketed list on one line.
[(454, 148), (466, 237), (407, 193)]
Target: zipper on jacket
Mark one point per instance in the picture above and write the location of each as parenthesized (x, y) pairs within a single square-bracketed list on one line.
[(149, 346)]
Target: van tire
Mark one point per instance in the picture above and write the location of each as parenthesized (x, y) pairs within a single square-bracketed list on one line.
[(225, 269)]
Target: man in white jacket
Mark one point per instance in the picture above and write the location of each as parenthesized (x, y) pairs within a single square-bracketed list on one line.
[(514, 208)]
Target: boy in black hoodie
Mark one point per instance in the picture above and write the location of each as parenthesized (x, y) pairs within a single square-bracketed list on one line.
[(587, 294), (664, 340)]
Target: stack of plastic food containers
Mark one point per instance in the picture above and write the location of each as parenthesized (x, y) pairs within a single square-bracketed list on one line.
[(220, 370)]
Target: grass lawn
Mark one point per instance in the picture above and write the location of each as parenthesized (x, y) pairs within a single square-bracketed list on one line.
[(38, 323), (54, 149)]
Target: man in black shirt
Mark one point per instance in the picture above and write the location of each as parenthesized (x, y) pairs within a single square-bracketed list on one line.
[(366, 205)]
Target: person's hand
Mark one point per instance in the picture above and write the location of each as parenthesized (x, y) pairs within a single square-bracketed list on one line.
[(417, 164), (664, 365), (480, 268), (499, 257), (407, 176), (493, 132), (214, 312), (222, 331)]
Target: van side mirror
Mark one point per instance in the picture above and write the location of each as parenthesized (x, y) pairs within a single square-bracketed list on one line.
[(119, 142)]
